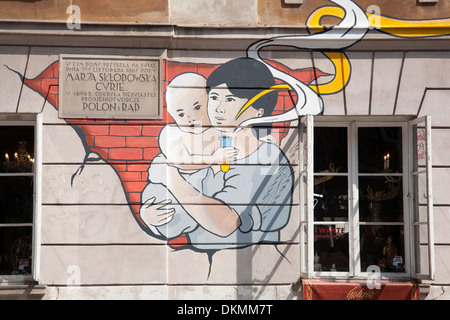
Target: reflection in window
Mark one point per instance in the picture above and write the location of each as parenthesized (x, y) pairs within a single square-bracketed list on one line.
[(369, 161), (383, 245), (15, 250), (331, 248), (381, 199), (332, 205)]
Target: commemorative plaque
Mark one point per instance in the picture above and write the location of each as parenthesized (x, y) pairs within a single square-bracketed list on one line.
[(116, 87)]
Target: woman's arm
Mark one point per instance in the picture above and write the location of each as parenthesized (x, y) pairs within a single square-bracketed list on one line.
[(200, 161), (180, 150), (211, 214)]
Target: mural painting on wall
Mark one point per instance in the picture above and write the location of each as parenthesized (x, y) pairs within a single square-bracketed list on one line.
[(211, 174)]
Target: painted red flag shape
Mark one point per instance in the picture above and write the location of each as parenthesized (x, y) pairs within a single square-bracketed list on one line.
[(129, 146)]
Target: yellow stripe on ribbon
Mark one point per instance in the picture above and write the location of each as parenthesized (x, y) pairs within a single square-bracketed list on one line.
[(393, 26), (410, 28), (313, 22), (342, 70), (398, 27), (259, 95)]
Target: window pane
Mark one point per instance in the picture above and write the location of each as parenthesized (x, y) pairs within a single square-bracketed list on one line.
[(421, 247), (304, 248), (330, 149), (16, 199), (15, 250), (421, 150), (380, 149), (17, 148), (381, 199), (331, 247), (382, 246), (333, 205), (420, 189)]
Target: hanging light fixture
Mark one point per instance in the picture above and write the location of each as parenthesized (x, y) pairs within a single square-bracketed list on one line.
[(21, 161)]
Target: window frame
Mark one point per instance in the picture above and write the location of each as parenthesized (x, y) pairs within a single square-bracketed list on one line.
[(426, 122), (34, 120), (307, 223)]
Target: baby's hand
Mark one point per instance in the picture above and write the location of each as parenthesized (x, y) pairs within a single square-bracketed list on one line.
[(226, 154)]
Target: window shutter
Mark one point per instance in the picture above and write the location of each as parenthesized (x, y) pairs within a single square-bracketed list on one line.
[(421, 199), (306, 180)]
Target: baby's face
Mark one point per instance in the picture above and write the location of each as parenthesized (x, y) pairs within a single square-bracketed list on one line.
[(187, 107)]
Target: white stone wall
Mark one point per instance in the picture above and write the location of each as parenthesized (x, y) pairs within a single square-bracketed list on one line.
[(92, 247)]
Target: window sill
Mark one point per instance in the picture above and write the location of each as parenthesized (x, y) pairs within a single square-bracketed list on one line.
[(18, 291)]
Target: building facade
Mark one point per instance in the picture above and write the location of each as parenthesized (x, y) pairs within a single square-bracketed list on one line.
[(257, 149)]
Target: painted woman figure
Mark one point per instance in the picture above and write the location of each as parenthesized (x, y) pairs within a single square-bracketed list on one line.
[(251, 202)]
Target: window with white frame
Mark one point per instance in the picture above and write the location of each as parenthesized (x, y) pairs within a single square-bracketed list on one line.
[(18, 204), (366, 197)]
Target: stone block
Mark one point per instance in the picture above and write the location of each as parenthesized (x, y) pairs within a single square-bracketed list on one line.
[(13, 62), (103, 265), (422, 70), (262, 264), (91, 224), (357, 92), (386, 73), (213, 12)]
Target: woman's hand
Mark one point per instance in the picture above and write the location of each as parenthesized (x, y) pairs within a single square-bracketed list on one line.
[(154, 214), (269, 139)]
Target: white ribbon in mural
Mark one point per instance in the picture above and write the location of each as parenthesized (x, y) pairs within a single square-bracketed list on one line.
[(350, 30)]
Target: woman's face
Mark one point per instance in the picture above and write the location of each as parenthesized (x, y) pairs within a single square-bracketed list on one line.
[(223, 106)]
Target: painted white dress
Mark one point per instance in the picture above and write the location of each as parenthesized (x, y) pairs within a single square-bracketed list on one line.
[(181, 222)]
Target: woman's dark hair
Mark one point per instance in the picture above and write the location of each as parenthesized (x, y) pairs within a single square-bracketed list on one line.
[(245, 78)]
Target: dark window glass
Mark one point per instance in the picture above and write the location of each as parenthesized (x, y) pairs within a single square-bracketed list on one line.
[(16, 199), (15, 250), (381, 199), (330, 149), (332, 205), (383, 246), (380, 149), (379, 209), (16, 149)]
